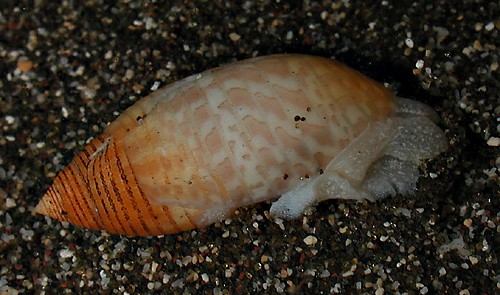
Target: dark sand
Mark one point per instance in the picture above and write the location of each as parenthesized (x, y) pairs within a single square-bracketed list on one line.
[(68, 69)]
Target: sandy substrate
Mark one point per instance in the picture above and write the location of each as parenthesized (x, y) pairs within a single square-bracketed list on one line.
[(68, 69)]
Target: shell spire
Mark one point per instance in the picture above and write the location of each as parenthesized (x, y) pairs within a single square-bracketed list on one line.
[(69, 198), (98, 190)]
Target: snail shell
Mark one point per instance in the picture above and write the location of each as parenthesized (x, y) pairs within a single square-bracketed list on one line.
[(301, 127)]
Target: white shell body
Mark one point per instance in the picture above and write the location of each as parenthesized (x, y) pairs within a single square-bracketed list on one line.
[(303, 127)]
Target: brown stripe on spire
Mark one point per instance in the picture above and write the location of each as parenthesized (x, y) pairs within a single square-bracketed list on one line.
[(53, 203), (124, 208), (85, 196), (95, 186), (129, 186), (108, 200), (69, 192)]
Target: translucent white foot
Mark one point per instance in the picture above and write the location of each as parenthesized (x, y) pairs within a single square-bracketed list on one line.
[(383, 160)]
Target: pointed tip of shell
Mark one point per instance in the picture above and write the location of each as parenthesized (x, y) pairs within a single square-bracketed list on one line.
[(40, 208), (46, 206)]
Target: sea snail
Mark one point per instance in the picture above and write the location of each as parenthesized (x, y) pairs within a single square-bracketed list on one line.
[(301, 127)]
